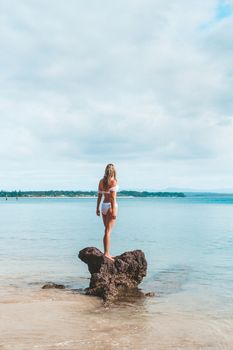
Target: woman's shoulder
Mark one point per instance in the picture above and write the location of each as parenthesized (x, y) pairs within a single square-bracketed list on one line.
[(113, 182), (100, 184), (114, 186)]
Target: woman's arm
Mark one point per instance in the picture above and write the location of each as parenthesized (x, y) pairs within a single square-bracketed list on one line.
[(98, 200), (113, 199), (113, 204)]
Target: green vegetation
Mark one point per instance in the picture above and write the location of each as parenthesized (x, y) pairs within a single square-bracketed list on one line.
[(86, 194), (150, 194)]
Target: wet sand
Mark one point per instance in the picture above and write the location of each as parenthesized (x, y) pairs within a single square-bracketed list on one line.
[(60, 319)]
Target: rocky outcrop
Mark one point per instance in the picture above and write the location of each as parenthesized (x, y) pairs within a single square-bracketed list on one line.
[(52, 285), (108, 278)]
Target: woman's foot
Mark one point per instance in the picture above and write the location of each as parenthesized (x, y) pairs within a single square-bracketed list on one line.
[(109, 257)]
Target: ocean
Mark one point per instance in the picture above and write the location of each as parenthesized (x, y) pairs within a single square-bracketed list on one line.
[(188, 244)]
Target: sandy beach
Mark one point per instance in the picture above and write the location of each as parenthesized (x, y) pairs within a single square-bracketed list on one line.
[(56, 319)]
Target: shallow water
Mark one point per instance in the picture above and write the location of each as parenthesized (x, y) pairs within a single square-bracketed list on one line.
[(188, 243)]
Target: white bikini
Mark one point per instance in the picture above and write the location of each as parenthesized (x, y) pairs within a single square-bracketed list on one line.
[(106, 205)]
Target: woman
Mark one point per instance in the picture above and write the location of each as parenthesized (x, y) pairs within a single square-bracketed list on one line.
[(108, 187)]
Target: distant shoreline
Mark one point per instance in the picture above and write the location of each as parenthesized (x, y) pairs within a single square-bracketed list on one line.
[(93, 194), (84, 194), (63, 197)]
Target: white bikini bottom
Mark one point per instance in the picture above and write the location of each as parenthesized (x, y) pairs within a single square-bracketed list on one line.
[(105, 206)]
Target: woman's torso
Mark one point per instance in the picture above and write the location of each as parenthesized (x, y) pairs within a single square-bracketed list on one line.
[(106, 192)]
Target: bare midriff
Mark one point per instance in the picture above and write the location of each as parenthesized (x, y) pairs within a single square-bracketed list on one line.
[(107, 198)]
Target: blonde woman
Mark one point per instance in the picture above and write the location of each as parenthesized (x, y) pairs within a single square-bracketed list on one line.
[(108, 187)]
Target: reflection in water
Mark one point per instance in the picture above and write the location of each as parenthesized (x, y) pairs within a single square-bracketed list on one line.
[(169, 281)]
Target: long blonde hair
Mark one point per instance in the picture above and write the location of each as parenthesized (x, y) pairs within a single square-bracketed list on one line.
[(110, 172)]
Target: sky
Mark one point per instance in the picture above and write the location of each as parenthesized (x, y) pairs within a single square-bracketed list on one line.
[(143, 84)]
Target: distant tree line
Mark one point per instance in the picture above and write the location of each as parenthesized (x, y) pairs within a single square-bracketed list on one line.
[(52, 193), (151, 194)]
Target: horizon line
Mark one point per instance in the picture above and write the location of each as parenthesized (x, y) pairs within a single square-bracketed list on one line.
[(227, 191)]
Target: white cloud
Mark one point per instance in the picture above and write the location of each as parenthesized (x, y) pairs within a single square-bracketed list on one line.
[(137, 83)]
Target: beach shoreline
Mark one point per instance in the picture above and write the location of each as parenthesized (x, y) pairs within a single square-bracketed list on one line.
[(55, 319)]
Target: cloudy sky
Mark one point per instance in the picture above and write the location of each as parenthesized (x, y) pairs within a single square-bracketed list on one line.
[(144, 84)]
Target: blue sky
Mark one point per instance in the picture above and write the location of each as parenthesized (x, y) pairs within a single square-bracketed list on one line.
[(224, 9), (134, 83)]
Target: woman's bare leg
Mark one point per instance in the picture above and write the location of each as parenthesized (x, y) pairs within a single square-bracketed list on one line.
[(104, 219), (107, 233)]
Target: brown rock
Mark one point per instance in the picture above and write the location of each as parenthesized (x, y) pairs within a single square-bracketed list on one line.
[(51, 285), (109, 277), (149, 294)]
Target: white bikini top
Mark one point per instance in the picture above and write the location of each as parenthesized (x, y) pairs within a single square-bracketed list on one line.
[(112, 189)]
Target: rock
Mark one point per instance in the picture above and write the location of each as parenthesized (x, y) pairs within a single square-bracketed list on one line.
[(50, 285), (109, 277), (149, 294)]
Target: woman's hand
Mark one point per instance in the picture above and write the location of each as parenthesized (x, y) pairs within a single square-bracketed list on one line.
[(111, 213), (97, 212)]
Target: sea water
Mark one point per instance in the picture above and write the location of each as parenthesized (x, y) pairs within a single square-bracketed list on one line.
[(188, 244)]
